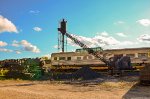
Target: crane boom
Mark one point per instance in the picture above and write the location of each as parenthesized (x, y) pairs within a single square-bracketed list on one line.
[(89, 50)]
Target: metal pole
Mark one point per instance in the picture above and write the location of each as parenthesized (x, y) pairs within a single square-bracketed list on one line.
[(62, 42)]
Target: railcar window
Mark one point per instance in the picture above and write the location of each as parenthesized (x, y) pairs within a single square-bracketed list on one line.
[(142, 55), (78, 58), (55, 58), (68, 58), (90, 57), (78, 50), (61, 58), (85, 57), (131, 55), (117, 55)]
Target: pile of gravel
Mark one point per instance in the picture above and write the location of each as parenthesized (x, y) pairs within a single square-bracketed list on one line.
[(86, 73)]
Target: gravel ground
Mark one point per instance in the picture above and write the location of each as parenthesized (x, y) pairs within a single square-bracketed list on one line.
[(90, 89)]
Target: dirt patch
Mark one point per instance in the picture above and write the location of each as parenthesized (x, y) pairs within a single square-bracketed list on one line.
[(109, 88)]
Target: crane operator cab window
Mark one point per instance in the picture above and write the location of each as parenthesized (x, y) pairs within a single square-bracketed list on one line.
[(68, 58), (61, 58), (78, 58), (55, 58)]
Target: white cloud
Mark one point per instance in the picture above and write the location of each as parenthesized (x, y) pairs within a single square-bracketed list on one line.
[(34, 11), (3, 43), (15, 43), (47, 55), (5, 50), (29, 47), (104, 33), (144, 22), (98, 40), (121, 34), (18, 52), (38, 29), (106, 42), (6, 25), (55, 46), (26, 46), (119, 22), (126, 43), (144, 38)]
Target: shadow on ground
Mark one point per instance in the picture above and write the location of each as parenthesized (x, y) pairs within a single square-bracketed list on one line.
[(25, 84), (30, 84), (138, 92)]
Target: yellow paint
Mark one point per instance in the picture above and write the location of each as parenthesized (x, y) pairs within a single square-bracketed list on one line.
[(97, 68), (149, 54), (3, 72)]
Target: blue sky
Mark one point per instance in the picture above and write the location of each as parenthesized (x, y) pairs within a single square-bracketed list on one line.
[(28, 28)]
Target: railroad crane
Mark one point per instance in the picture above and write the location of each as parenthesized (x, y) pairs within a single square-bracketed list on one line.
[(114, 64)]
